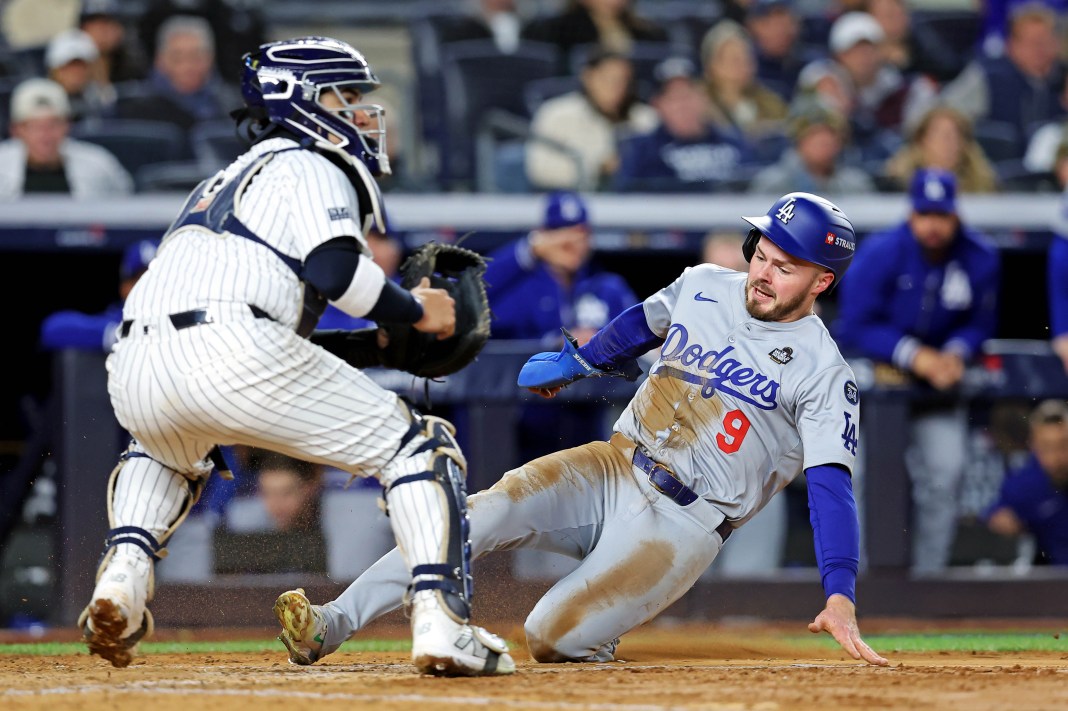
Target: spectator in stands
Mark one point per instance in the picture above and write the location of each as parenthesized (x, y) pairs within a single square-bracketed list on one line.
[(862, 85), (740, 103), (1057, 266), (814, 164), (608, 24), (121, 57), (99, 331), (943, 139), (776, 31), (70, 58), (996, 16), (576, 133), (687, 151), (280, 530), (1019, 91), (40, 158), (915, 49), (236, 25), (724, 249), (29, 24), (183, 87), (1034, 498), (923, 297), (541, 283), (497, 20)]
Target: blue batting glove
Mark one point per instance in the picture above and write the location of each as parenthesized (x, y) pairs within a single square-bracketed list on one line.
[(551, 370)]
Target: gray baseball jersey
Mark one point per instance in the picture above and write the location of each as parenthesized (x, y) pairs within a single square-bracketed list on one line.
[(736, 406)]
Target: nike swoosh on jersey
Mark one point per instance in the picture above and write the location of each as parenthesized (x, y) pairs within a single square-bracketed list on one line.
[(698, 297)]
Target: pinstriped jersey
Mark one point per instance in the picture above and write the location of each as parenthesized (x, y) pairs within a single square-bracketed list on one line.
[(736, 406), (293, 200)]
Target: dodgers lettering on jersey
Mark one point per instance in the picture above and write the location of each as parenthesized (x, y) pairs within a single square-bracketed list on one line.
[(736, 406)]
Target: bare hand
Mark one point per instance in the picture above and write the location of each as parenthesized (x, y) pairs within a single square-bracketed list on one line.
[(546, 393), (839, 619), (942, 370), (1005, 522), (439, 310)]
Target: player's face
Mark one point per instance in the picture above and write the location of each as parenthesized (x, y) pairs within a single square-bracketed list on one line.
[(286, 497), (933, 230), (42, 136), (1049, 442), (339, 98), (780, 286)]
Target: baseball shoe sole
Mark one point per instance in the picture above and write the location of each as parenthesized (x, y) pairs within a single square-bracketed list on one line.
[(104, 636), (303, 627)]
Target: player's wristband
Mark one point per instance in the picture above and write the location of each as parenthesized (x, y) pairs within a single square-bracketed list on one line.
[(395, 305)]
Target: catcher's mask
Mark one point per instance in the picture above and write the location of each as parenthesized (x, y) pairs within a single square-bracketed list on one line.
[(288, 80)]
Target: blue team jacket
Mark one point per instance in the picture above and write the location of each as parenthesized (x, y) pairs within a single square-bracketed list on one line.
[(1041, 507), (892, 299), (74, 329), (527, 302)]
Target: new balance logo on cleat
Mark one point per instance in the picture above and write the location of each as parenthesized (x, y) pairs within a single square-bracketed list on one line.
[(465, 640)]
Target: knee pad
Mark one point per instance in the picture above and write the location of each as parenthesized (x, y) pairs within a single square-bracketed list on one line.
[(432, 455)]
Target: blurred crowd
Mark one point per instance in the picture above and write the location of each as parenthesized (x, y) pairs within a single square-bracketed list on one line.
[(831, 96)]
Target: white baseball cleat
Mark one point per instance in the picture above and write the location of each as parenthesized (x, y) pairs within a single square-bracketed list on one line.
[(443, 647), (303, 626), (116, 619)]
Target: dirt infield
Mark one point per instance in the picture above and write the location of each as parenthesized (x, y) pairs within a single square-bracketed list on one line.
[(684, 668)]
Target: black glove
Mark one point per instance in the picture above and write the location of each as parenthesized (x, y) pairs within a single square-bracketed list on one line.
[(454, 269)]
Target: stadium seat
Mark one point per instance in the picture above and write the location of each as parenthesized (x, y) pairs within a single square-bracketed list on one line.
[(1000, 141), (479, 77), (135, 143), (173, 176), (537, 92), (215, 143)]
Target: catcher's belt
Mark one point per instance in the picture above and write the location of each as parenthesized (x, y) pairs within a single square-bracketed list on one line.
[(188, 319), (664, 481)]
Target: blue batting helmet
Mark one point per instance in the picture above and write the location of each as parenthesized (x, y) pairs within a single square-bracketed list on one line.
[(808, 227), (287, 79)]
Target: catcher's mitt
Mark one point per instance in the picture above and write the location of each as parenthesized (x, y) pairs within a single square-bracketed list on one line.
[(454, 269)]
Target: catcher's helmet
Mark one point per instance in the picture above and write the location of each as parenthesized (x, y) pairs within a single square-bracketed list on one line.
[(808, 227), (286, 80)]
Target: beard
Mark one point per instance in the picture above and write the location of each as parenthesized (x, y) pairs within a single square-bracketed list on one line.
[(776, 310)]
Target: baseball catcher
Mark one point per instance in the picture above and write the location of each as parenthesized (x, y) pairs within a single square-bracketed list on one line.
[(400, 346)]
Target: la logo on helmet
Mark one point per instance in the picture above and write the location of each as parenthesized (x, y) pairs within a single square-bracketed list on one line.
[(786, 212)]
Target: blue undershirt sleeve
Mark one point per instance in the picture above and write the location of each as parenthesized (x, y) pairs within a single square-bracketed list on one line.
[(835, 528), (626, 337)]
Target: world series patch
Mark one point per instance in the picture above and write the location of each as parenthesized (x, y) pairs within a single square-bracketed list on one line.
[(852, 393), (782, 356)]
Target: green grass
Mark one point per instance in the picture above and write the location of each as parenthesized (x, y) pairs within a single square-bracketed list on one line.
[(49, 649), (962, 642), (883, 643)]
